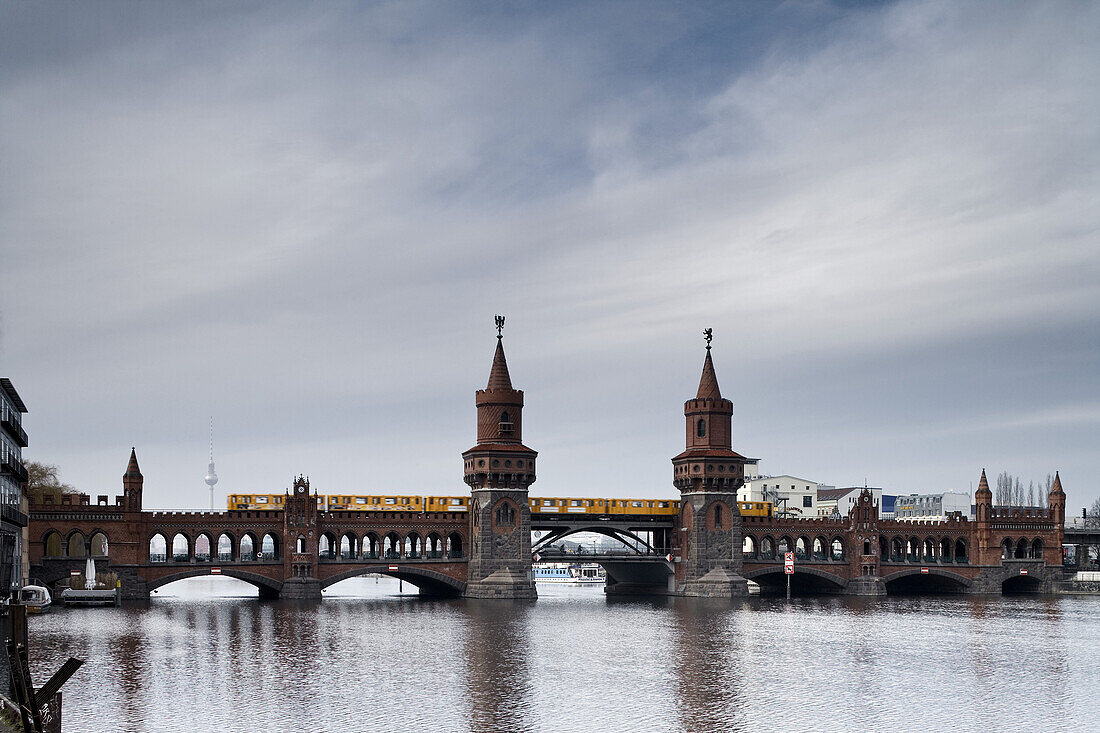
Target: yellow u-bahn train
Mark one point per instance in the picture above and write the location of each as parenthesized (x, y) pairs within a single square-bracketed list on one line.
[(539, 505)]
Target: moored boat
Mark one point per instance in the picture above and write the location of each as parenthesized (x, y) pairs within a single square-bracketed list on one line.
[(35, 597)]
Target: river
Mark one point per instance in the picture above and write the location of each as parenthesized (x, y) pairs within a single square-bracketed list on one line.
[(205, 655)]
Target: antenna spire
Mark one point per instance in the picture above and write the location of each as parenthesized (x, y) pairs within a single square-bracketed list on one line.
[(211, 475)]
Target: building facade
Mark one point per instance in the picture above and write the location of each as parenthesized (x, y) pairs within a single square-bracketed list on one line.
[(791, 495), (932, 507), (13, 477)]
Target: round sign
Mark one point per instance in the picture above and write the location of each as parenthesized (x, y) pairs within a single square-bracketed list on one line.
[(259, 556)]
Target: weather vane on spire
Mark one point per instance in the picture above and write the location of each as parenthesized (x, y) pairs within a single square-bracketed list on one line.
[(500, 326), (708, 334)]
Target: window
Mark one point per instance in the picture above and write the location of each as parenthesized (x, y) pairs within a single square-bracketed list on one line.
[(807, 501), (701, 428), (718, 516)]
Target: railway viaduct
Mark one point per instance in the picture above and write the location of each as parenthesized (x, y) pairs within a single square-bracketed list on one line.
[(709, 550)]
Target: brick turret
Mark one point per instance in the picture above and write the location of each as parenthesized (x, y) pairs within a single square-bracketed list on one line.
[(708, 474), (499, 470), (132, 484)]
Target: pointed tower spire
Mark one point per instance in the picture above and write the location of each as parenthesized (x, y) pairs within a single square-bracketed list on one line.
[(708, 383), (498, 375), (132, 468), (1056, 487), (983, 484), (132, 483)]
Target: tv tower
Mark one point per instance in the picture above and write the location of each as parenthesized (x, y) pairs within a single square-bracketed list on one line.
[(211, 476)]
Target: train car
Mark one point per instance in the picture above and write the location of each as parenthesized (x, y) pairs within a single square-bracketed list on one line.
[(643, 506), (256, 501), (755, 508), (567, 505), (374, 503), (262, 501), (446, 503)]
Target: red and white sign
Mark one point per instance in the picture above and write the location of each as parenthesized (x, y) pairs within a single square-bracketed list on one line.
[(789, 569), (1023, 571), (215, 571), (924, 571), (393, 568), (537, 557), (788, 558), (670, 557)]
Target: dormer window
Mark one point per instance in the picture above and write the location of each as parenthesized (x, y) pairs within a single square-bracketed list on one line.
[(505, 424), (701, 428)]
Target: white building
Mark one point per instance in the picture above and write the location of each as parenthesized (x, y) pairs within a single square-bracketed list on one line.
[(841, 501), (931, 507), (790, 494)]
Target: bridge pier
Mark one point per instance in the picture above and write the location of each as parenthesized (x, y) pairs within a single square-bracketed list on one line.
[(299, 589), (864, 585)]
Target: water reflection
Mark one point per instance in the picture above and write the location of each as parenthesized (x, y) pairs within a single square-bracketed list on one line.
[(709, 664), (372, 659), (497, 679)]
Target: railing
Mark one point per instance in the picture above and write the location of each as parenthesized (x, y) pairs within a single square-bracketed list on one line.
[(454, 553), (158, 557), (13, 515), (15, 430)]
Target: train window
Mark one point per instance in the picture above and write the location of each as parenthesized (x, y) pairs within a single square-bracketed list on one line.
[(548, 502), (261, 499), (360, 500), (390, 500), (574, 502), (636, 503), (456, 502)]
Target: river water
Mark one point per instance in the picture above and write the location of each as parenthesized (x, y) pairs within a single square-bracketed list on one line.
[(206, 655)]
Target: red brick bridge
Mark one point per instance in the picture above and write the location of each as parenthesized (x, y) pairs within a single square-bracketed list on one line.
[(708, 549)]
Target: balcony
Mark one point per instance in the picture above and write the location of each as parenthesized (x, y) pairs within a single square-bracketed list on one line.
[(11, 465), (12, 514), (15, 430)]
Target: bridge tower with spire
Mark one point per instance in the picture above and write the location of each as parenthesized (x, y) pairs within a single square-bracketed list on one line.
[(708, 474), (499, 470)]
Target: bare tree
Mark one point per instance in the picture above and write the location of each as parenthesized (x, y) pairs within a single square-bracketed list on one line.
[(1031, 494), (44, 479), (1092, 519)]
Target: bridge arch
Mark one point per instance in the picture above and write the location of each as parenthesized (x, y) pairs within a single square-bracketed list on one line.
[(454, 544), (430, 582), (371, 546), (916, 580), (629, 540), (247, 548), (158, 547), (204, 547), (806, 579), (99, 544), (260, 581), (181, 547), (226, 547)]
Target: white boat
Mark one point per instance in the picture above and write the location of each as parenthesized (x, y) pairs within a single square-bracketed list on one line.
[(560, 572), (35, 597)]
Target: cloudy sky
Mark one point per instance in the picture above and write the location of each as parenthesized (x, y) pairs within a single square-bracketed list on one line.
[(301, 218)]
